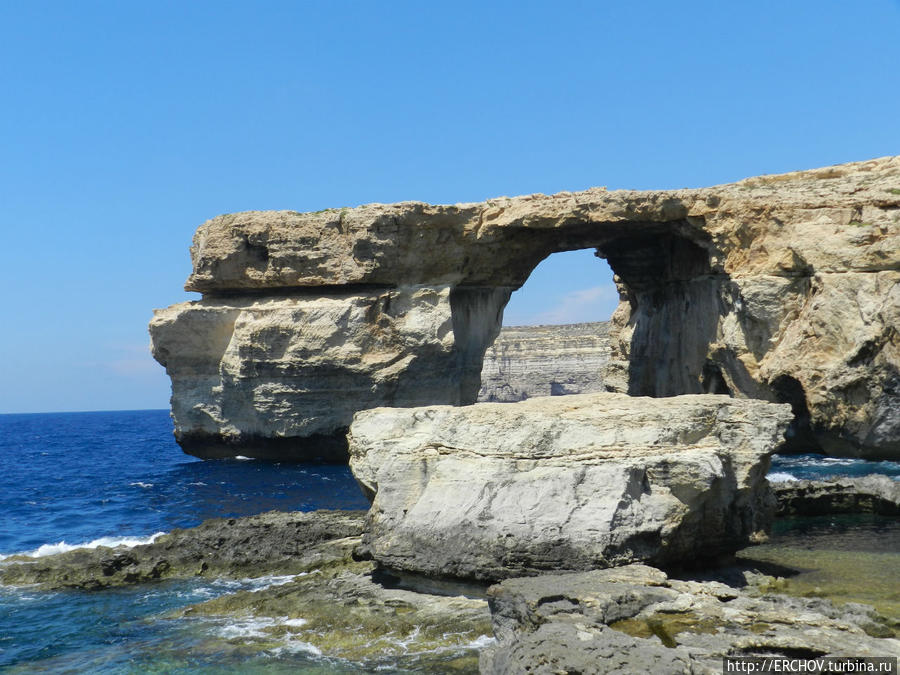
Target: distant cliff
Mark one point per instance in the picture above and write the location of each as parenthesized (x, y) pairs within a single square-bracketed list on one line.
[(529, 361)]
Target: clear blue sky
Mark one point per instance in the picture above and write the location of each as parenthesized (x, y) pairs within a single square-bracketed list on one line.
[(124, 125)]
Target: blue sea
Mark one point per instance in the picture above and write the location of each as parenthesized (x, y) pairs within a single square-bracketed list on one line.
[(103, 478)]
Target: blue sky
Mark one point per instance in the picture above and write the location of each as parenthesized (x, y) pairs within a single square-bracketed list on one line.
[(124, 125)]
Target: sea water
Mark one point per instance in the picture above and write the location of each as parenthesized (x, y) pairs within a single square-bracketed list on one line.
[(104, 478)]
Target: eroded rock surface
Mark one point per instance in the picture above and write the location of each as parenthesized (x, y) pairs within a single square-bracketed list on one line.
[(270, 543), (635, 619), (346, 612), (869, 494), (571, 482), (784, 288), (529, 361), (280, 377)]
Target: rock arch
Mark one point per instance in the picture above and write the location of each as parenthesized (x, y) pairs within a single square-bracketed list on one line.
[(307, 318)]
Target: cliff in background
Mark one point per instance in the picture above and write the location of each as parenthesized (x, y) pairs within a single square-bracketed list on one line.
[(784, 288), (529, 361)]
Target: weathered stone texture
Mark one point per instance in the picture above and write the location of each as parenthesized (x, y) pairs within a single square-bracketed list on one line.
[(868, 494), (495, 490), (280, 377), (783, 287), (634, 619)]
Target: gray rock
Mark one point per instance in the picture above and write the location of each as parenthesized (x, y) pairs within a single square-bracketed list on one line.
[(529, 361), (579, 623), (270, 543), (587, 649), (571, 482), (869, 494)]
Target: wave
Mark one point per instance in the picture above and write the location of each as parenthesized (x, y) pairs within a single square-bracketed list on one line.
[(780, 477), (109, 542)]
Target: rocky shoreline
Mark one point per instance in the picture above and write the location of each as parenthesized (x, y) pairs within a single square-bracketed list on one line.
[(754, 318), (333, 597)]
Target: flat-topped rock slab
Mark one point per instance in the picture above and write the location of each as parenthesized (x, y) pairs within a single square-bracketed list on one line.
[(495, 490)]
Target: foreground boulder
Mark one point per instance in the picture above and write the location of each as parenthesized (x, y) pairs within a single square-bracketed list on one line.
[(636, 619), (784, 288), (497, 490)]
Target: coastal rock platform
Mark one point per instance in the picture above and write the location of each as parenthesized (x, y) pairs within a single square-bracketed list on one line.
[(637, 619)]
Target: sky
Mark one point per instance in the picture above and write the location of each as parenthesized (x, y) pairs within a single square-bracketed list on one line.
[(125, 125)]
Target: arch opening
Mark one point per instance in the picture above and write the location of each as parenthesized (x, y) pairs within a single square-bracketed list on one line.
[(554, 340), (663, 301)]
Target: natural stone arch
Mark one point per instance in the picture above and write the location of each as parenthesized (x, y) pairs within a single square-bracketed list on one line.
[(727, 289)]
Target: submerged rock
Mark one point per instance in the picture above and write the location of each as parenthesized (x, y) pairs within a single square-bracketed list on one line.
[(784, 288), (497, 490), (346, 612), (636, 619), (869, 494), (267, 544)]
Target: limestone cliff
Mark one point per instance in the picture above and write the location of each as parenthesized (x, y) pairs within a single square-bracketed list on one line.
[(785, 288), (529, 361)]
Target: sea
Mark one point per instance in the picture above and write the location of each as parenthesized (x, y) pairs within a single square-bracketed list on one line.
[(118, 478)]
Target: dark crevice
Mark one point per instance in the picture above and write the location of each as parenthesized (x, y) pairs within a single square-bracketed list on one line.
[(334, 290), (712, 381), (799, 436)]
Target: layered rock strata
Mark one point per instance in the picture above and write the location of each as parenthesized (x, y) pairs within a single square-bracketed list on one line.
[(636, 619), (784, 288), (529, 361), (279, 377), (497, 490)]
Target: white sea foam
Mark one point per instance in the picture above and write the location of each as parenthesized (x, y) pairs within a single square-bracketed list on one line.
[(296, 646), (246, 628), (780, 477), (262, 583), (242, 458), (294, 623), (111, 542), (142, 484)]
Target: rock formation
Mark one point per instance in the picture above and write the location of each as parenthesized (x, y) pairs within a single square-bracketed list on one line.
[(252, 546), (635, 619), (529, 361), (784, 288), (869, 494), (495, 490)]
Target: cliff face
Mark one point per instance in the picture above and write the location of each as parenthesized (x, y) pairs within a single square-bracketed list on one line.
[(784, 288), (529, 361)]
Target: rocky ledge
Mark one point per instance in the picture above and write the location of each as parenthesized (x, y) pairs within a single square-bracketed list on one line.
[(869, 494), (784, 288), (495, 490), (636, 619), (270, 543)]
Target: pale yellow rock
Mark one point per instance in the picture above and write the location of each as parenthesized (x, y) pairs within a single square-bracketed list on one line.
[(782, 287)]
